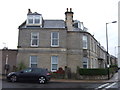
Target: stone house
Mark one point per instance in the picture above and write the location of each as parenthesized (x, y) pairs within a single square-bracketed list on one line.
[(7, 57), (57, 43), (113, 60)]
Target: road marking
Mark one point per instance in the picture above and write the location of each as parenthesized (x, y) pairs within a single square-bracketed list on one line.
[(102, 86), (111, 85)]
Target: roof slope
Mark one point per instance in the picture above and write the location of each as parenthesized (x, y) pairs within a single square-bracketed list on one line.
[(47, 24), (54, 24)]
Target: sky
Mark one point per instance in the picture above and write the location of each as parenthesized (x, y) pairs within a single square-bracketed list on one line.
[(93, 13)]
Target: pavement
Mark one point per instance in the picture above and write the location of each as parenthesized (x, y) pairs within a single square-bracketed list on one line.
[(113, 79)]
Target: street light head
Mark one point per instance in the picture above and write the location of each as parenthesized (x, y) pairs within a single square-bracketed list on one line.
[(111, 22), (114, 22)]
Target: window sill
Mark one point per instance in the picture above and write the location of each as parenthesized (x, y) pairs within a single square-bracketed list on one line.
[(54, 45), (34, 46), (53, 70), (85, 48)]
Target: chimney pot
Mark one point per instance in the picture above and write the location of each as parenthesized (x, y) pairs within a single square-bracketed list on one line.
[(67, 9), (70, 9), (29, 11)]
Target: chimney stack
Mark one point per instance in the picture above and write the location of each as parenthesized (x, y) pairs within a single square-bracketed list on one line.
[(29, 11), (69, 19), (70, 9)]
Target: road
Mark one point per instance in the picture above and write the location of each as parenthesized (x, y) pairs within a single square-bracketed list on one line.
[(73, 85), (54, 84)]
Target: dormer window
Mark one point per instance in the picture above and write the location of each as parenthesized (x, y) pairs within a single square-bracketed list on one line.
[(30, 20), (37, 20), (78, 24), (34, 19)]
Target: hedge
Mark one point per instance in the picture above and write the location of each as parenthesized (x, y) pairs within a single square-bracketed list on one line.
[(91, 72), (115, 67), (96, 71)]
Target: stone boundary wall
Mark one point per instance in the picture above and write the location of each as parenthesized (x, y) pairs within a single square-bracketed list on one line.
[(98, 77)]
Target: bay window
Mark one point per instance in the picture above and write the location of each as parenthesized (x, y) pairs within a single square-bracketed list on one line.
[(85, 46), (85, 62)]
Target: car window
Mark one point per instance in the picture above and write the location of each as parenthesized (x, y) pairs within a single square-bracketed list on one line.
[(37, 70), (27, 70)]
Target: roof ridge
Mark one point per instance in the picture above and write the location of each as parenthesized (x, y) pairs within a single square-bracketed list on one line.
[(53, 20)]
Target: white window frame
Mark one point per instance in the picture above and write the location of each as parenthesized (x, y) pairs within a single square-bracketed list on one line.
[(31, 60), (85, 41), (94, 46), (86, 62), (32, 20), (30, 17), (34, 17), (54, 39), (79, 25), (37, 34), (54, 63), (91, 44)]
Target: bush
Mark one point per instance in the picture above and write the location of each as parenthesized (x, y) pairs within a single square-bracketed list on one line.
[(60, 71), (21, 66), (59, 74)]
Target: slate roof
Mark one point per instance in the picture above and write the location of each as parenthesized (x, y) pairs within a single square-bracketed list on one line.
[(54, 24), (47, 24), (35, 13)]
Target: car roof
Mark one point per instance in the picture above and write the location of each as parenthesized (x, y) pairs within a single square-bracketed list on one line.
[(38, 68)]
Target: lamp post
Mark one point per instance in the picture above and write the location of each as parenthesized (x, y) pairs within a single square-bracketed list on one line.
[(107, 47)]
